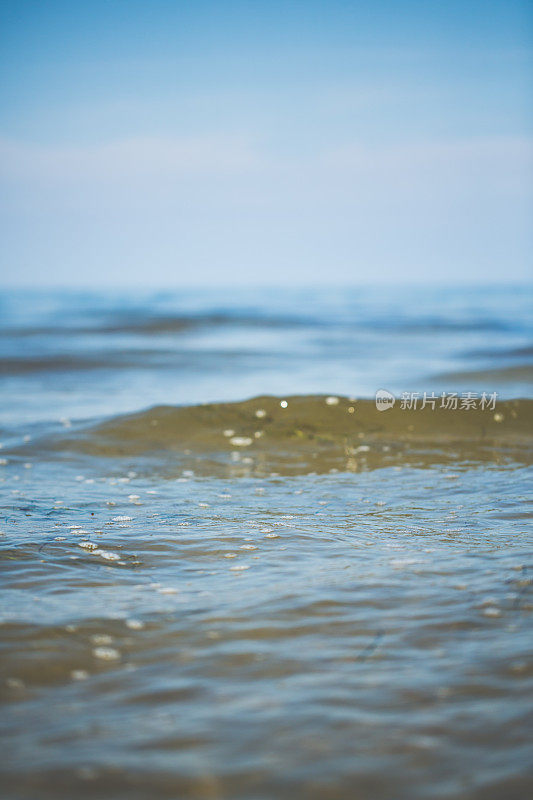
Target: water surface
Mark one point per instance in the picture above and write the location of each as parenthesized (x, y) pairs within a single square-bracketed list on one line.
[(225, 574)]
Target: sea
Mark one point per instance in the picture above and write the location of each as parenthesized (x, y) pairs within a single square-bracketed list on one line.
[(262, 544)]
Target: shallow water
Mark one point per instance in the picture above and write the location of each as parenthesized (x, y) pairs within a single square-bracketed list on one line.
[(338, 608)]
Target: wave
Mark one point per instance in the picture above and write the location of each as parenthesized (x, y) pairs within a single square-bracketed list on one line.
[(153, 359), (302, 434), (522, 373), (148, 324), (140, 322), (501, 352)]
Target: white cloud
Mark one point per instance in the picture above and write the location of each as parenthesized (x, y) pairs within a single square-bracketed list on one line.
[(490, 153), (156, 157), (209, 204), (143, 157)]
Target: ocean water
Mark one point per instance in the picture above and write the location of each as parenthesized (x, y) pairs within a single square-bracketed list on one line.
[(226, 574)]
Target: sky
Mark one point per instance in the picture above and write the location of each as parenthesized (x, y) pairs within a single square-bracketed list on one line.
[(164, 143)]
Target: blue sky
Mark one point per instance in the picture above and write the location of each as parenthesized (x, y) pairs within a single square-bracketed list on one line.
[(173, 143)]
